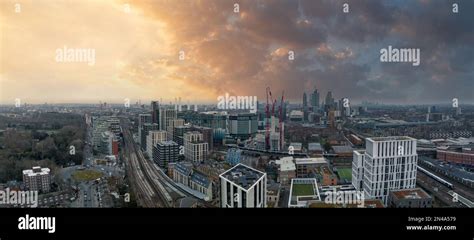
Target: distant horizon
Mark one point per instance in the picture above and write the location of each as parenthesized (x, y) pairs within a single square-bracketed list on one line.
[(357, 103)]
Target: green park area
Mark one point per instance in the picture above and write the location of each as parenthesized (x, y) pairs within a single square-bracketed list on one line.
[(345, 174), (86, 175)]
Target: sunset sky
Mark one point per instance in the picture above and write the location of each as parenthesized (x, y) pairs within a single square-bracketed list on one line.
[(137, 52)]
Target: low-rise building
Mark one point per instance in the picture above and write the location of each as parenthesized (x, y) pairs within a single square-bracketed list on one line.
[(303, 192), (409, 198), (307, 166), (273, 194), (192, 181), (286, 170)]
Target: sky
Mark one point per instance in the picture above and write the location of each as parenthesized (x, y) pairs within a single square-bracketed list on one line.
[(198, 50)]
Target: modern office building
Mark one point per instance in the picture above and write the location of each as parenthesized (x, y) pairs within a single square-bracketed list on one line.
[(218, 136), (207, 134), (37, 179), (389, 163), (195, 149), (172, 123), (243, 125), (143, 133), (142, 119), (154, 137), (155, 112), (315, 99), (178, 133), (305, 101), (243, 187), (164, 153), (166, 115), (296, 116), (211, 119), (105, 145), (104, 124), (329, 101)]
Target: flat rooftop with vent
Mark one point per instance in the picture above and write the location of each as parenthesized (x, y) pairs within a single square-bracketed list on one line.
[(242, 176)]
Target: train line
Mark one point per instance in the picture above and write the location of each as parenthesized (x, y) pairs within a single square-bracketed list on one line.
[(145, 195), (157, 182)]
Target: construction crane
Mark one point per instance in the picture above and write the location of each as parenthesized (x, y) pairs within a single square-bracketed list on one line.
[(270, 115)]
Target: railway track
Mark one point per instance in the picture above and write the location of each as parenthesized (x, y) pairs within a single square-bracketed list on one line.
[(153, 178), (144, 191)]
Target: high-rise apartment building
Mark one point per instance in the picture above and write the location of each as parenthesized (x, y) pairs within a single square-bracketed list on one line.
[(172, 123), (165, 152), (389, 163), (195, 148), (166, 115), (37, 179), (243, 187), (154, 137)]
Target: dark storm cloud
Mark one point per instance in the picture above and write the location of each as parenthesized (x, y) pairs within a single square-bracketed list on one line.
[(245, 52)]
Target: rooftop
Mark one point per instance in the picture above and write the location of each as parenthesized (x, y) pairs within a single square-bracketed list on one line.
[(415, 193), (297, 146), (242, 175), (303, 190), (318, 160), (167, 143), (396, 138), (315, 147), (286, 164), (200, 179), (342, 149), (35, 171)]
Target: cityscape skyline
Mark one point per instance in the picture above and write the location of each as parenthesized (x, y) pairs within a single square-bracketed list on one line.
[(117, 113), (239, 52)]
